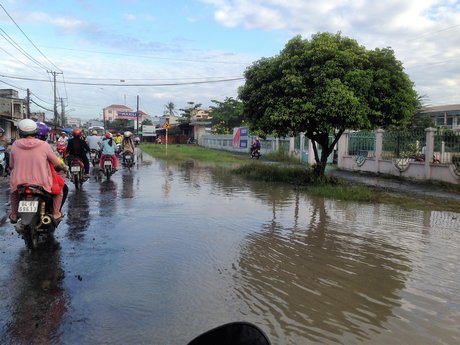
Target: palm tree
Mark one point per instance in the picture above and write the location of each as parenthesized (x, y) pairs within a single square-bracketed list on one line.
[(170, 109)]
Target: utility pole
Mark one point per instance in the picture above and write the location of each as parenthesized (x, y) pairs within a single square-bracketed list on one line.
[(56, 116), (28, 105), (62, 113), (137, 117)]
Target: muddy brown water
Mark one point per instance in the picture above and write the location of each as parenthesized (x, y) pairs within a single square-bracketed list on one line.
[(164, 253)]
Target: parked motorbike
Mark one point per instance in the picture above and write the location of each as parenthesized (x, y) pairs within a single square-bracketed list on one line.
[(108, 167), (235, 333), (77, 172), (35, 215), (94, 156), (128, 160)]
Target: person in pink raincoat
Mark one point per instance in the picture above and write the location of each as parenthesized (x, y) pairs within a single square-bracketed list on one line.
[(29, 164)]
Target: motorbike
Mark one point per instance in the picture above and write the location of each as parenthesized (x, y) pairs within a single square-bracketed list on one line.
[(61, 148), (108, 167), (255, 153), (4, 169), (118, 149), (77, 171), (235, 333), (35, 214), (94, 156), (128, 160)]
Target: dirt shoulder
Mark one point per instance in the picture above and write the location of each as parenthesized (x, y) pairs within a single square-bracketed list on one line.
[(401, 186)]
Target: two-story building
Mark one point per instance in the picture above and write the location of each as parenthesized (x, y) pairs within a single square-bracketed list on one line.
[(122, 112), (12, 110), (444, 116)]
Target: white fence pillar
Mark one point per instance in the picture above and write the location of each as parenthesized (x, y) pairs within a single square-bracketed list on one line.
[(302, 145), (378, 149), (342, 148), (429, 151)]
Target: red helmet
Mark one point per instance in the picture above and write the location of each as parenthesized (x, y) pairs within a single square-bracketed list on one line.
[(76, 132), (108, 135)]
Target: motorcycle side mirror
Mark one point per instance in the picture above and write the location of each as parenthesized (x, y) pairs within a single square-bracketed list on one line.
[(234, 333)]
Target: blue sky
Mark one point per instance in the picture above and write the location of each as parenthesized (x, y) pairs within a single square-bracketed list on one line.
[(97, 43)]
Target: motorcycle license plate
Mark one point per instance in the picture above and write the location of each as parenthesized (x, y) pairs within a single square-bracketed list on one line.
[(107, 163), (28, 206), (75, 168)]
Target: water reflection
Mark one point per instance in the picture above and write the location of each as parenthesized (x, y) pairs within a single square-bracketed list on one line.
[(78, 215), (40, 301), (319, 283), (107, 198), (127, 190)]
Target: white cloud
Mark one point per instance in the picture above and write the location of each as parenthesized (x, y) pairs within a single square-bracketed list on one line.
[(424, 33)]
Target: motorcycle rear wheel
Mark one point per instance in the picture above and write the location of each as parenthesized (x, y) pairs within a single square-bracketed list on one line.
[(76, 181)]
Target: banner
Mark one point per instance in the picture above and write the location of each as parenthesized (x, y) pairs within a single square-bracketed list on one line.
[(129, 115), (240, 137)]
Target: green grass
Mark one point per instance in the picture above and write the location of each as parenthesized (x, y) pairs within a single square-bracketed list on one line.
[(182, 153)]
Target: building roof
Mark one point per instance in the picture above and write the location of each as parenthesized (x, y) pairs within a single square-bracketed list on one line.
[(118, 106), (440, 108)]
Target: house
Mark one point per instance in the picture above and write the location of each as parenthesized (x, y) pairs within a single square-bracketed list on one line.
[(444, 116), (12, 110), (122, 112)]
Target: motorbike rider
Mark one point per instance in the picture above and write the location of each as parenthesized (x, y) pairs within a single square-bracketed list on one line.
[(42, 133), (29, 164), (118, 138), (255, 145), (77, 147), (108, 147), (94, 141), (4, 147), (127, 145)]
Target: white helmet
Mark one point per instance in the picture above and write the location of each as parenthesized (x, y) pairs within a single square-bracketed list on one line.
[(127, 134), (27, 127)]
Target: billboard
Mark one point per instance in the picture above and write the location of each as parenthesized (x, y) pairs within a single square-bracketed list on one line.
[(127, 115), (240, 137)]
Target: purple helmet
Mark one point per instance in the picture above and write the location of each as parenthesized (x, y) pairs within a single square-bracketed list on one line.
[(43, 130)]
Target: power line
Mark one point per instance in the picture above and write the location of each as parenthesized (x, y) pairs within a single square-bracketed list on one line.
[(29, 38), (148, 56), (20, 49), (130, 85), (21, 62), (38, 105)]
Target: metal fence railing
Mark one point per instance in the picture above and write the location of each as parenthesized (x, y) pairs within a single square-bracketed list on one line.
[(403, 144), (446, 146), (361, 144)]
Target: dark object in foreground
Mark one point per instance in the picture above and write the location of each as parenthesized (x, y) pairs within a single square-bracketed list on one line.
[(235, 333)]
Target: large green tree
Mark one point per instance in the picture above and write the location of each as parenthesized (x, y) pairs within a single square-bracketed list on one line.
[(324, 86), (226, 115)]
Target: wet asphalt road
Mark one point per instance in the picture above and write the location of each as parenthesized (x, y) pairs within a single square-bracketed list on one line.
[(163, 253)]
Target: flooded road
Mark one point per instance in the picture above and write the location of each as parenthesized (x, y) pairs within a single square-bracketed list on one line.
[(163, 253)]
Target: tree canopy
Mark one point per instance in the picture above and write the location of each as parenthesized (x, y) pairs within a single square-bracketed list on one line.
[(226, 115), (324, 86)]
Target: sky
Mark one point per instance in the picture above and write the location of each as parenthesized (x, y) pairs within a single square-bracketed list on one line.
[(105, 52)]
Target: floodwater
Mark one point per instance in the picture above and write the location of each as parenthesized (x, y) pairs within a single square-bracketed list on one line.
[(163, 253)]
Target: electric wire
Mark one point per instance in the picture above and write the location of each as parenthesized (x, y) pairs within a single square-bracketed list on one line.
[(138, 85), (28, 38), (20, 49)]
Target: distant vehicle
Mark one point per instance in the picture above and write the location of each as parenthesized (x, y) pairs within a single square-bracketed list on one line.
[(99, 129)]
